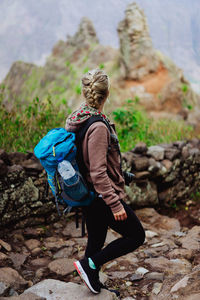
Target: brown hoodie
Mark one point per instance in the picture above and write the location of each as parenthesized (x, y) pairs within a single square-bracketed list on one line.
[(102, 160)]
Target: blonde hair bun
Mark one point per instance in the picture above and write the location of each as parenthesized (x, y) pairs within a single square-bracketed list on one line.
[(95, 84)]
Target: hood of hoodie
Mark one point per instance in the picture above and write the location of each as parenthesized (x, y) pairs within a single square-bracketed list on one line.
[(79, 116)]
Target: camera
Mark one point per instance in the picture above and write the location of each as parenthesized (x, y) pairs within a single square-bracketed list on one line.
[(128, 177)]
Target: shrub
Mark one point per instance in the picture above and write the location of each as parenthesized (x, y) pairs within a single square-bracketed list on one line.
[(22, 128), (133, 125)]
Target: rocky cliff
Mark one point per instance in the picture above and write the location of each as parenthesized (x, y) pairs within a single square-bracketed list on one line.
[(138, 57), (136, 71), (34, 27)]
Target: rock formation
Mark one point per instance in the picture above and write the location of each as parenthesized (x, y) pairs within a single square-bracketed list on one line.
[(138, 57), (136, 70), (85, 35)]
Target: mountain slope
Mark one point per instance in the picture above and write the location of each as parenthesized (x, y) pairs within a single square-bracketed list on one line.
[(29, 29)]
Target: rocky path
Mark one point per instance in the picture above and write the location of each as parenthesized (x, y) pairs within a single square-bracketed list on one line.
[(37, 263)]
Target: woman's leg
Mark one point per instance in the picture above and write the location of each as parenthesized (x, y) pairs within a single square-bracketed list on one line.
[(97, 226), (132, 232)]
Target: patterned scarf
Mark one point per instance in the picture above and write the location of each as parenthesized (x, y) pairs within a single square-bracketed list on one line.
[(84, 112)]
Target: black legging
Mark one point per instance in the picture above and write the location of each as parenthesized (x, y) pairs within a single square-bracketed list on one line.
[(98, 218)]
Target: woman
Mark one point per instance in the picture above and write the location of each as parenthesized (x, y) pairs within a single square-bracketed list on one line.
[(102, 161)]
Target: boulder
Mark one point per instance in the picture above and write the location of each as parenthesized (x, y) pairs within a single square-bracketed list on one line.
[(11, 278), (142, 194), (52, 289)]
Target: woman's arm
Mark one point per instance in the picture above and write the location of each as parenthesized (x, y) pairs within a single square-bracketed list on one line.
[(98, 142)]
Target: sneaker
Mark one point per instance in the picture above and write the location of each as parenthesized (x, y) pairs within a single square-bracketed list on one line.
[(89, 276)]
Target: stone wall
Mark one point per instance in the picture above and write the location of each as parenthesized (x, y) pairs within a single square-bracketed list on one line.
[(22, 191), (164, 174)]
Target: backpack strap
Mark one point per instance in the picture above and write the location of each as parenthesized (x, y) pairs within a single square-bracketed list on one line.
[(79, 139)]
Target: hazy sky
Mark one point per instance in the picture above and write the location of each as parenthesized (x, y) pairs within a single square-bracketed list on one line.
[(30, 28)]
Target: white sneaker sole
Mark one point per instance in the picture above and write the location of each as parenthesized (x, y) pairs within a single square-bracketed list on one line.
[(83, 275)]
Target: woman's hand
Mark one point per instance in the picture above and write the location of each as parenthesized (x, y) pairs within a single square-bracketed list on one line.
[(120, 215)]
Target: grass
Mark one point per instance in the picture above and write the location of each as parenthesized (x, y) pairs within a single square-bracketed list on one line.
[(22, 128), (133, 126)]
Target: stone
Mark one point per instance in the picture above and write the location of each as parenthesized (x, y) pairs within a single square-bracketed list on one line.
[(156, 152), (140, 148), (127, 160), (3, 258), (11, 278), (54, 243), (57, 225), (150, 234), (136, 277), (191, 240), (155, 276), (194, 151), (111, 236), (128, 283), (3, 288), (167, 163), (36, 251), (111, 264), (27, 296), (142, 194), (167, 266), (62, 266), (5, 157), (18, 259), (158, 245), (142, 175), (180, 284), (141, 271), (172, 153), (71, 230), (32, 244), (158, 223), (3, 168), (5, 245), (103, 277), (64, 253), (40, 262), (40, 273), (52, 289), (179, 144), (156, 288), (141, 163), (119, 274), (181, 253), (30, 232), (185, 152)]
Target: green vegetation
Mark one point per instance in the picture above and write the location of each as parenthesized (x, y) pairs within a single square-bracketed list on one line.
[(101, 66), (78, 89), (133, 126), (22, 128)]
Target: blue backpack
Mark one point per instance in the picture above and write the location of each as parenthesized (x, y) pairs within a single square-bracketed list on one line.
[(60, 153)]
